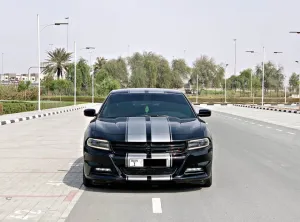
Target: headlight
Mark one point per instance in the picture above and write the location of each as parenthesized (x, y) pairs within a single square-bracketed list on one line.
[(98, 144), (198, 144)]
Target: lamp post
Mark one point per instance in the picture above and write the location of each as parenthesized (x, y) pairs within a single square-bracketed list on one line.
[(75, 73), (90, 49), (39, 55), (297, 32), (2, 64), (234, 56), (284, 90), (299, 86), (225, 83), (197, 91), (277, 65), (67, 18), (263, 76), (276, 60)]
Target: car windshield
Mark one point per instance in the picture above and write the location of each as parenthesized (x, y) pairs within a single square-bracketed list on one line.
[(146, 104)]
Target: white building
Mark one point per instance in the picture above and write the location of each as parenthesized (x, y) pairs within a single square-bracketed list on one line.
[(13, 78)]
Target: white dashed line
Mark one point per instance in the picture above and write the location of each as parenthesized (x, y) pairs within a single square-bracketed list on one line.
[(260, 125), (291, 133), (269, 127), (156, 206), (279, 130)]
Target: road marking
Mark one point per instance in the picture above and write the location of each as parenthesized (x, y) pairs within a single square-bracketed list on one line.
[(252, 123), (54, 183), (260, 125), (279, 130), (291, 133), (71, 195), (156, 206), (269, 127), (246, 121), (25, 214)]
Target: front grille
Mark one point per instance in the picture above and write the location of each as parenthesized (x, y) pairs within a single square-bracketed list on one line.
[(172, 147), (147, 171)]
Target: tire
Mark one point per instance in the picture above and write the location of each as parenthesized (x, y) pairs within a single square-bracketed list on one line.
[(86, 182)]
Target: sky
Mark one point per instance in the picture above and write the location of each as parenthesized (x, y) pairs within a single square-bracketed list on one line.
[(173, 28)]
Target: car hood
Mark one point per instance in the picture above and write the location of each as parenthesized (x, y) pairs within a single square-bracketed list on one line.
[(148, 129)]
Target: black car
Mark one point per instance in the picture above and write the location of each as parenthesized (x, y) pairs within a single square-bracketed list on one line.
[(147, 135)]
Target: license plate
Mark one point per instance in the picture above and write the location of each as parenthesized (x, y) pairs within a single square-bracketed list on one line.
[(141, 160), (136, 162)]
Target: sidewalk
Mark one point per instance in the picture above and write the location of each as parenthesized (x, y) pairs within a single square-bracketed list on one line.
[(286, 119), (41, 167)]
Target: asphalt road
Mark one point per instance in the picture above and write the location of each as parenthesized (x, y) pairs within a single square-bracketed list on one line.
[(255, 175), (256, 178)]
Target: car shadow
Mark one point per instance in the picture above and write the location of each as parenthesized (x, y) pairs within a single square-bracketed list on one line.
[(73, 178)]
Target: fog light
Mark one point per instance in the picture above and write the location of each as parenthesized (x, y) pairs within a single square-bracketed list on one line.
[(193, 170), (103, 169)]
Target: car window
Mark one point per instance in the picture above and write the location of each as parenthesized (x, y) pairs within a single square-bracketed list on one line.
[(152, 104)]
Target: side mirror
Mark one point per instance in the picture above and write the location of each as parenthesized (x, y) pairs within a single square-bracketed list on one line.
[(90, 112), (204, 112)]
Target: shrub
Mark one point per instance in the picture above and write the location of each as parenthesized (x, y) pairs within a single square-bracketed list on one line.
[(87, 99), (17, 106)]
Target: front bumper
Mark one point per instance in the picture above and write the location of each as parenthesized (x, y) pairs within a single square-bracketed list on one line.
[(120, 172)]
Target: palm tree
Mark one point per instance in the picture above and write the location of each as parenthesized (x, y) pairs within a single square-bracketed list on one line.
[(57, 62), (100, 61)]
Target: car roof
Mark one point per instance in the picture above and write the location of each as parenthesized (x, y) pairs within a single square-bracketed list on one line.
[(145, 90)]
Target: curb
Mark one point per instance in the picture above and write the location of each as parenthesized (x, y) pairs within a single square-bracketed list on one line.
[(269, 108), (6, 122), (213, 104)]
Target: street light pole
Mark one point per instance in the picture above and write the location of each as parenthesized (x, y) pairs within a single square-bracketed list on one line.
[(225, 84), (92, 74), (2, 64), (299, 86), (263, 78), (93, 84), (252, 94), (39, 55), (74, 73), (284, 90), (67, 18), (39, 64), (234, 56), (277, 66), (197, 90)]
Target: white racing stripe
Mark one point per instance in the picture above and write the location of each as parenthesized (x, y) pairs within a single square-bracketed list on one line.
[(136, 129), (156, 206), (160, 130)]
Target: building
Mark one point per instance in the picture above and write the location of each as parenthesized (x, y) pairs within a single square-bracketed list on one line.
[(13, 78)]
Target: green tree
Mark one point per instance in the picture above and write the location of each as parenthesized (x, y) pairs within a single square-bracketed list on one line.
[(180, 66), (100, 62), (273, 79), (117, 69), (104, 83), (83, 77), (163, 74), (206, 69), (294, 82), (57, 62), (62, 85), (48, 84)]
